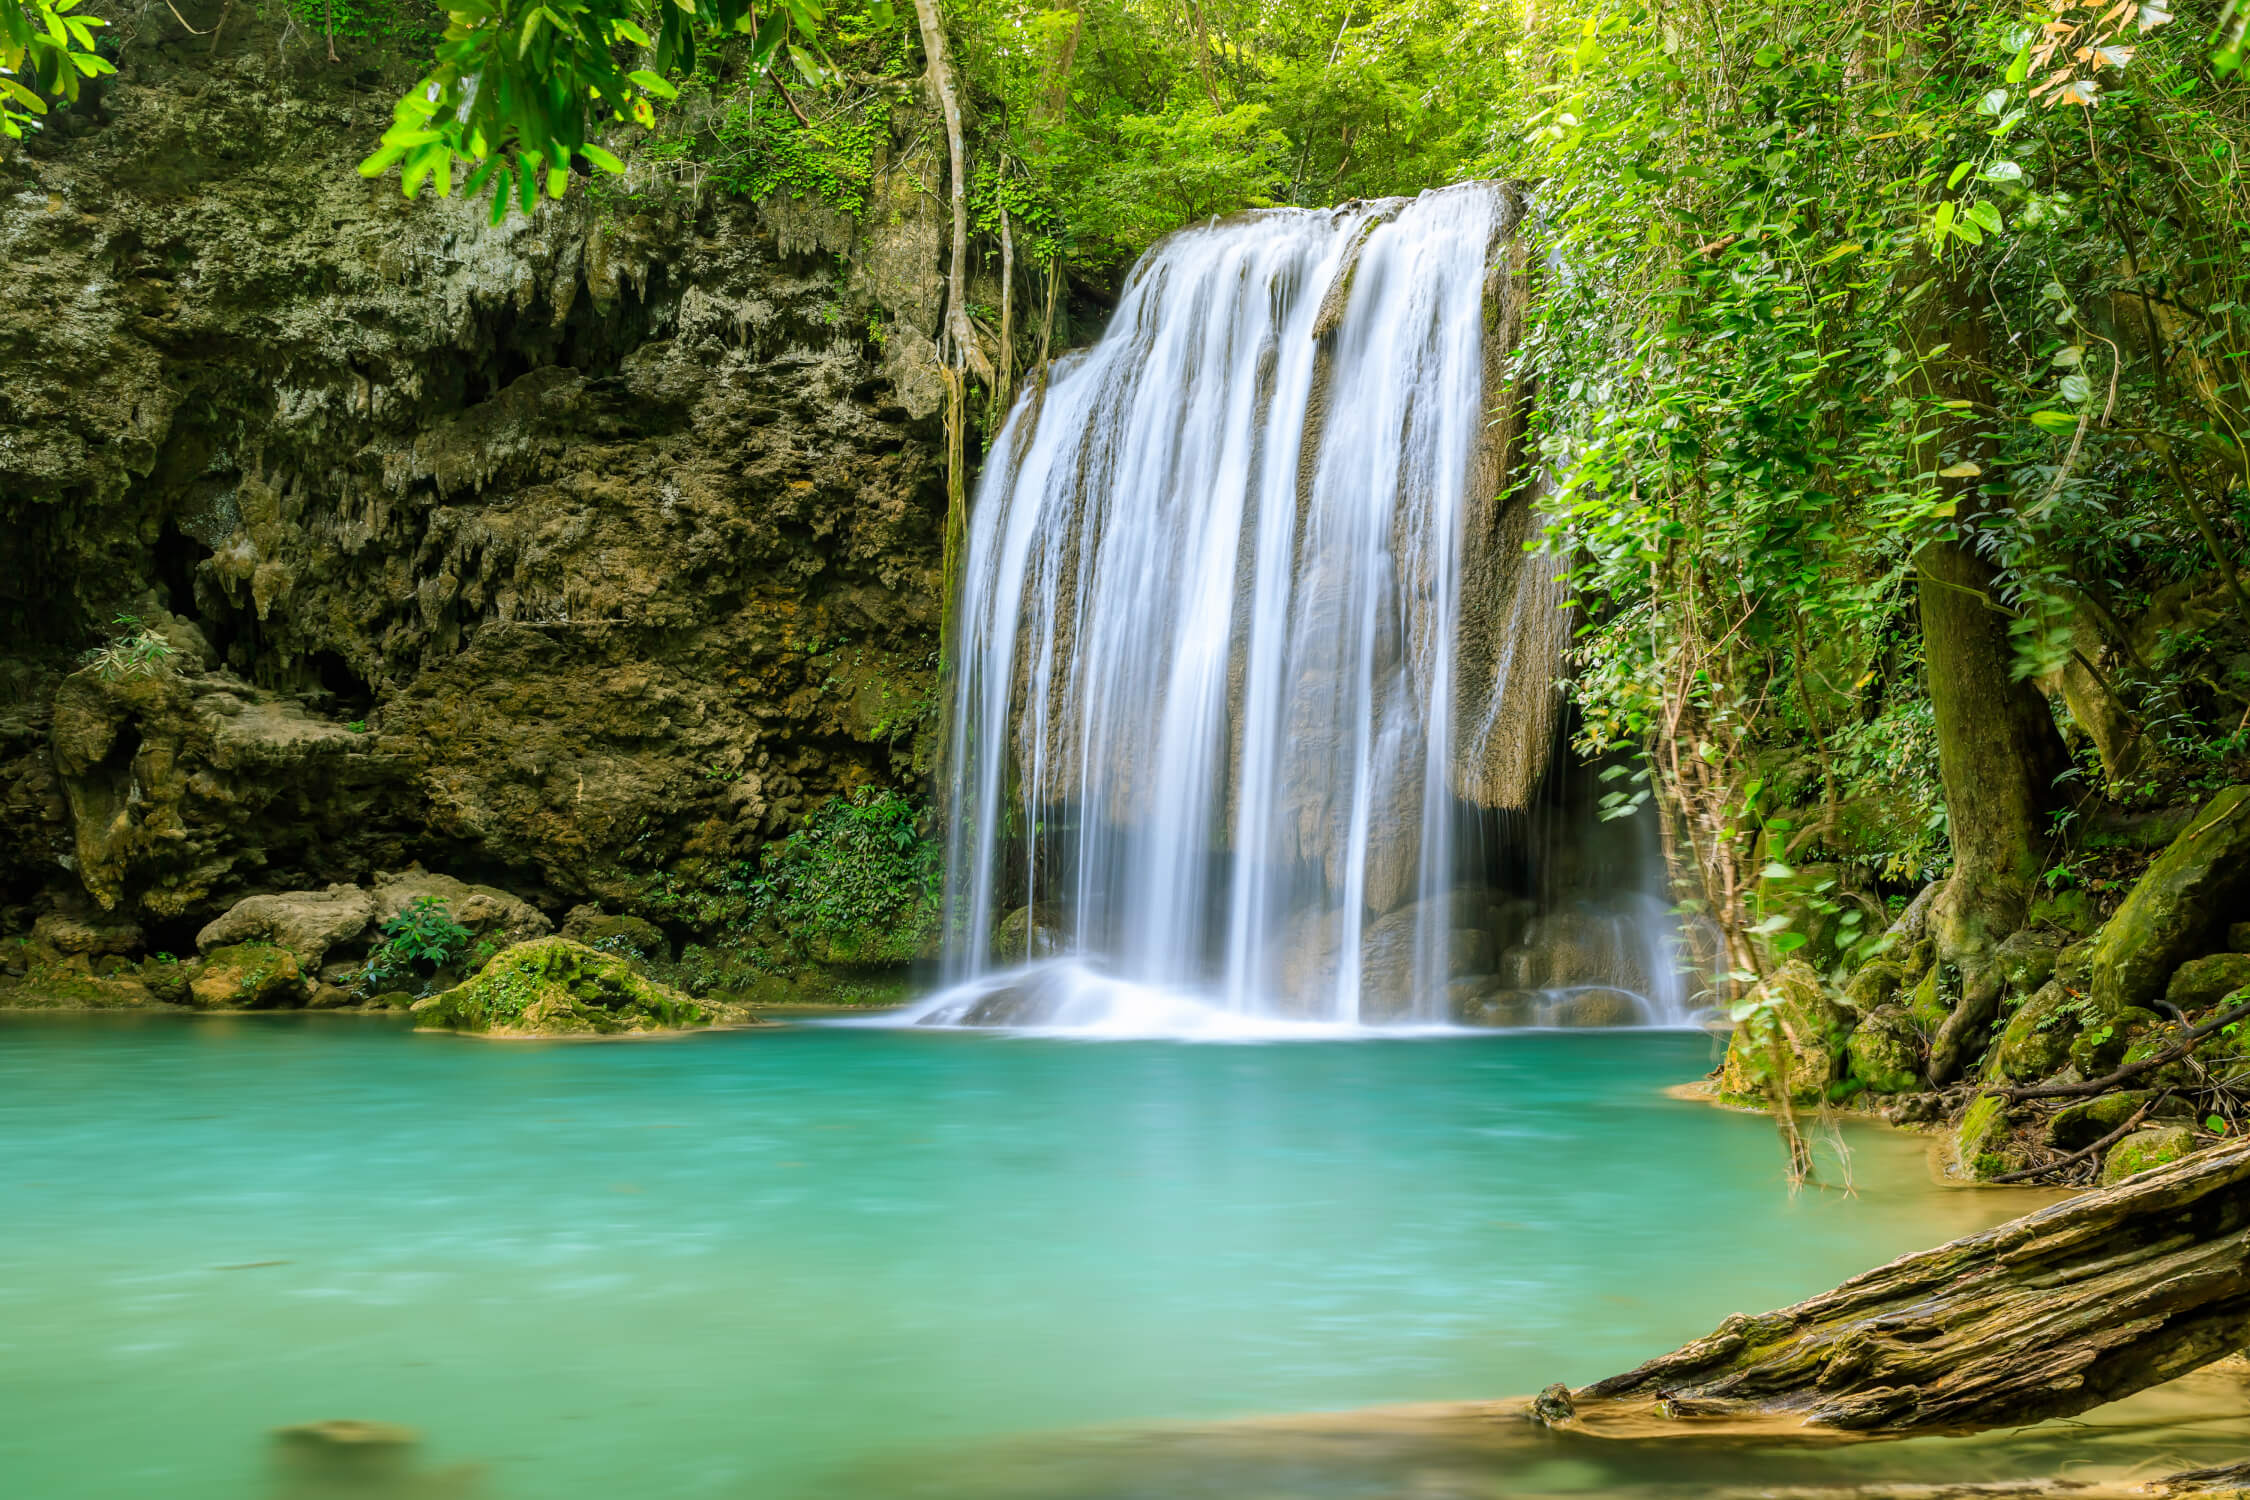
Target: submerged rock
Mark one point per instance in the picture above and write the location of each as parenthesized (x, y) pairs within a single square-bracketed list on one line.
[(1018, 939), (249, 976), (555, 987), (2145, 1149)]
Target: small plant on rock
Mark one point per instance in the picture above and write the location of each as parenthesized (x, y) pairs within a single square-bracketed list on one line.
[(413, 946), (135, 651)]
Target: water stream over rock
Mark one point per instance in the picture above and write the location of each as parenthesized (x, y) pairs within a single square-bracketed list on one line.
[(1255, 682)]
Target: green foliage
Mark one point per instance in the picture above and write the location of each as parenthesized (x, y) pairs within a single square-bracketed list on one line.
[(520, 86), (1835, 283), (46, 49), (135, 651), (417, 24), (414, 945), (856, 883)]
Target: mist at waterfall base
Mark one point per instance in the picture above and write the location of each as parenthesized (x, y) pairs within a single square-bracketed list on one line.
[(1255, 720)]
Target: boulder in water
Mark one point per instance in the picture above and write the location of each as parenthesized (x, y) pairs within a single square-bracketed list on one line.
[(1794, 1041), (1599, 1007), (555, 987), (249, 976), (1019, 940), (1479, 1005)]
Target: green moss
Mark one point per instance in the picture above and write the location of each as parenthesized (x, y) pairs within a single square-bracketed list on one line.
[(1979, 1142), (248, 976), (558, 987), (2145, 1150), (856, 886), (1884, 1054)]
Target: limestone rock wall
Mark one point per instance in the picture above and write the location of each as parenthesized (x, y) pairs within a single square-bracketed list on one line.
[(566, 552)]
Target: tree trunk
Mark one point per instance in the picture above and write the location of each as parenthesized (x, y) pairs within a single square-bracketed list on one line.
[(939, 61), (1998, 750), (2078, 1304)]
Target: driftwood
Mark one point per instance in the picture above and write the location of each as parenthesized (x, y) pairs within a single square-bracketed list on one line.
[(2079, 1304)]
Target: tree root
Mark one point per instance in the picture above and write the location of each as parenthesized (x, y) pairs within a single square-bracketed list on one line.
[(2079, 1304)]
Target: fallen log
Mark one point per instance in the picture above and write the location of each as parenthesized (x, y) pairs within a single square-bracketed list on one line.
[(2081, 1303)]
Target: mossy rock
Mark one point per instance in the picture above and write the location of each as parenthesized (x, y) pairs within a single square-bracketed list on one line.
[(1482, 1004), (1930, 1002), (2070, 911), (2074, 966), (2101, 1047), (2036, 1043), (1877, 983), (1795, 1039), (555, 987), (49, 988), (249, 976), (2145, 1150), (628, 937), (2077, 1126), (1599, 1007), (1981, 1142), (1019, 939), (2179, 909), (167, 979), (2027, 960), (1884, 1052), (2201, 983)]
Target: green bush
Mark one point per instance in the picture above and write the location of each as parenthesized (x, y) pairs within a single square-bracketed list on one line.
[(413, 946)]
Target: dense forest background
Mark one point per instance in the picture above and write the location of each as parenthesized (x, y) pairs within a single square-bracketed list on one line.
[(1890, 356)]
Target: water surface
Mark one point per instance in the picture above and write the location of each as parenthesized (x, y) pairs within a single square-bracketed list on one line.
[(799, 1262)]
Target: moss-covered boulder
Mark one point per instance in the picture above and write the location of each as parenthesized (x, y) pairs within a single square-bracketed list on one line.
[(307, 923), (2079, 1125), (1794, 1040), (1479, 1003), (2146, 1149), (2074, 966), (2201, 983), (1600, 1007), (555, 987), (1024, 935), (2180, 909), (628, 937), (1876, 983), (1931, 1000), (249, 976), (1983, 1146), (2036, 1041), (2103, 1045), (2027, 960), (1884, 1052)]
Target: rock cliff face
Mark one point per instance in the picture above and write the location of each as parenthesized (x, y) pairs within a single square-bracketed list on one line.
[(576, 554)]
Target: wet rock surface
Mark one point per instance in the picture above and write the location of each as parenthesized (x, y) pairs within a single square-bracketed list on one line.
[(579, 555)]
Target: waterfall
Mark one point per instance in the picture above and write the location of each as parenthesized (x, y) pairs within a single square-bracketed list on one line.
[(1221, 720)]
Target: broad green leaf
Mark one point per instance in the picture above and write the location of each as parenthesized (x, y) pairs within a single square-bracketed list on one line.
[(2055, 421), (1986, 214), (655, 83)]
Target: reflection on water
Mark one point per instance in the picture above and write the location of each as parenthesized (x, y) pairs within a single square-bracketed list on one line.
[(828, 1262), (1485, 1452)]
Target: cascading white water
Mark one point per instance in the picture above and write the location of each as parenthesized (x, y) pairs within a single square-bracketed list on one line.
[(1204, 733)]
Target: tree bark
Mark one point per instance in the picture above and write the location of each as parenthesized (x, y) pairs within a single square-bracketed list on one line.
[(938, 59), (2063, 1310), (1998, 751)]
